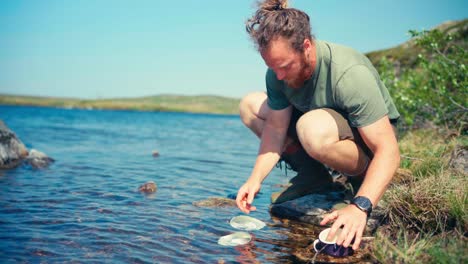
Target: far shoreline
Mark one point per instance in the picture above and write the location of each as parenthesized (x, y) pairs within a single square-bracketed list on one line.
[(204, 104)]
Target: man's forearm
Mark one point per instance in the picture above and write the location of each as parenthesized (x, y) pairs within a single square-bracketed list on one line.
[(379, 174), (269, 153)]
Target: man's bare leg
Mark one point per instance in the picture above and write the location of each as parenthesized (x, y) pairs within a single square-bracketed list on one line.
[(318, 133), (254, 110)]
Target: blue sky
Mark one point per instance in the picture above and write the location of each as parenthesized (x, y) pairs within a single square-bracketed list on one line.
[(109, 48)]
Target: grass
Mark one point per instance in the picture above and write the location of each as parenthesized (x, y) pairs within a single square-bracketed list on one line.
[(427, 218)]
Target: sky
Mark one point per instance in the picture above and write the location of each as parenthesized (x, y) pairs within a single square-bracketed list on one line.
[(113, 48)]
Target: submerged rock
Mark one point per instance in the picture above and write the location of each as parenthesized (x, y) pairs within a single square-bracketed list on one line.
[(155, 153), (216, 202), (148, 187), (12, 150), (38, 159)]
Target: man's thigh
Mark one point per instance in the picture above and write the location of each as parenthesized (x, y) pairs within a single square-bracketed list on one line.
[(345, 131)]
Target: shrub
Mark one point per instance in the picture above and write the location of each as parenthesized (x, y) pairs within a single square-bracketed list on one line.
[(436, 89)]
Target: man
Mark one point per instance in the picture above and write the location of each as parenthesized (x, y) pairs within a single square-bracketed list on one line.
[(343, 114)]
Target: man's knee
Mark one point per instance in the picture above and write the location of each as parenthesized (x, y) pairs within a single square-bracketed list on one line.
[(250, 106), (316, 129)]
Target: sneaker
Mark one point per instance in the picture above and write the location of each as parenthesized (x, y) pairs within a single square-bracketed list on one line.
[(311, 177)]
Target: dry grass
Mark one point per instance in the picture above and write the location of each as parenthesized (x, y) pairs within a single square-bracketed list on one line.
[(426, 204)]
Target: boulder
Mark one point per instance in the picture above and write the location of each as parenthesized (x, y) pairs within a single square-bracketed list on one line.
[(38, 159), (12, 150)]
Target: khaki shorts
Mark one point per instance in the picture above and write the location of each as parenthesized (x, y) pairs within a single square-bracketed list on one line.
[(345, 131)]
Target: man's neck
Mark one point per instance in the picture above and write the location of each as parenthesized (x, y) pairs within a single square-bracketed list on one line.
[(312, 57)]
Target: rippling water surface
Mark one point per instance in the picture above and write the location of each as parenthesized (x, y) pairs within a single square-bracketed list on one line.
[(85, 207)]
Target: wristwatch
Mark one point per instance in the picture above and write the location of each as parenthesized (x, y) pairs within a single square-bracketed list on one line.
[(363, 203)]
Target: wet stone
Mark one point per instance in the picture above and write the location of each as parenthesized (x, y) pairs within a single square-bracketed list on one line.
[(38, 159), (12, 150), (148, 187), (311, 208), (216, 202), (155, 153)]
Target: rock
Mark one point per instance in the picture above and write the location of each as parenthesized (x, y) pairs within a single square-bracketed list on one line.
[(458, 159), (216, 202), (38, 159), (148, 187), (12, 150), (311, 208)]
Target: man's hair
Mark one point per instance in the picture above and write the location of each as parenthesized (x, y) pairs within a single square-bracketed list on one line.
[(274, 19)]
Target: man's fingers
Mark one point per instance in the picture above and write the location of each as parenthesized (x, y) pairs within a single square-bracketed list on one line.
[(328, 217), (358, 238), (344, 234), (333, 229), (250, 197), (250, 208), (241, 200), (350, 236)]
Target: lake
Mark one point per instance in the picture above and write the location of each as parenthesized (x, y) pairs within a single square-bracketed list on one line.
[(85, 207)]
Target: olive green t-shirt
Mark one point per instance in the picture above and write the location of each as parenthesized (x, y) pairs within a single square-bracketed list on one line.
[(343, 80)]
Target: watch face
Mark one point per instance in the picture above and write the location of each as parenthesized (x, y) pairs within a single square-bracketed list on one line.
[(363, 203)]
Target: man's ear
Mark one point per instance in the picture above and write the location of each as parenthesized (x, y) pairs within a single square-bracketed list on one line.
[(307, 45)]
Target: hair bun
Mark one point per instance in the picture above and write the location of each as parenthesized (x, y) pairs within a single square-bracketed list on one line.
[(273, 5)]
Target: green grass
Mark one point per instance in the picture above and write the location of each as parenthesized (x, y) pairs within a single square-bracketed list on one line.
[(427, 218)]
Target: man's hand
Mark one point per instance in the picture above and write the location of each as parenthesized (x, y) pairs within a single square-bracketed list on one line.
[(246, 195), (353, 221)]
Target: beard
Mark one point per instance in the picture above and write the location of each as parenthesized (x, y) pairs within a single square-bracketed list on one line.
[(304, 74)]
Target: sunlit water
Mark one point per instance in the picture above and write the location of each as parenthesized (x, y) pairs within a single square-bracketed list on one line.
[(86, 208)]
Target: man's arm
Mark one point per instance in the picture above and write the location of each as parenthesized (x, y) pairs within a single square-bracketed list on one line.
[(271, 145), (380, 138)]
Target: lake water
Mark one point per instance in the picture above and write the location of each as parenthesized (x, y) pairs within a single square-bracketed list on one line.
[(86, 208)]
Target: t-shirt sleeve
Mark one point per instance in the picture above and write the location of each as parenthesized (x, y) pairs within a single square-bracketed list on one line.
[(276, 98), (359, 95)]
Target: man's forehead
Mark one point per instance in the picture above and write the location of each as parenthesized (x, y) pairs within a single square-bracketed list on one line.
[(277, 57)]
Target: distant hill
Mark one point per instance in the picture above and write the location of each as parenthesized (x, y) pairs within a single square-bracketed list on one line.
[(403, 55), (169, 103)]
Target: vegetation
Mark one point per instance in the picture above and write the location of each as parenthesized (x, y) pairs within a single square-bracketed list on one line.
[(431, 86), (427, 216), (427, 203)]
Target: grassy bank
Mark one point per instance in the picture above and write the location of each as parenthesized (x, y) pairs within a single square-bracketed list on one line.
[(172, 103), (427, 218)]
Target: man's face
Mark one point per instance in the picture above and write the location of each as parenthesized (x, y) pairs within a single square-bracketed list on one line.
[(289, 65)]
